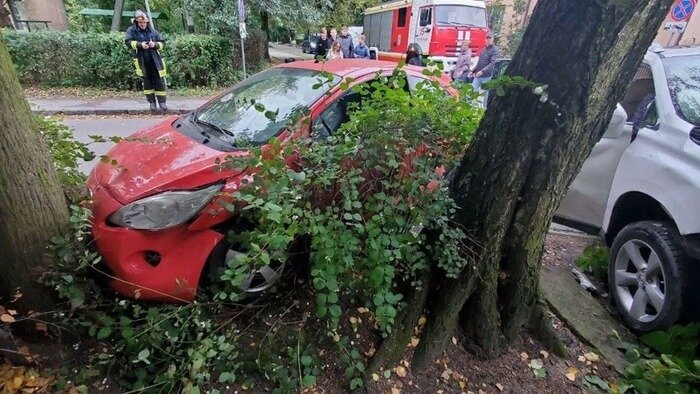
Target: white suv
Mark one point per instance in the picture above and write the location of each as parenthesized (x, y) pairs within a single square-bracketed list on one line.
[(640, 189)]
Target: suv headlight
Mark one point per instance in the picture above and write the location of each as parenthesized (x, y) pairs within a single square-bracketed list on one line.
[(163, 210)]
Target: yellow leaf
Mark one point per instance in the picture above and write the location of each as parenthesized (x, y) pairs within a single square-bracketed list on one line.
[(362, 309), (499, 386), (524, 356), (353, 320), (375, 377), (7, 318), (571, 376), (454, 340), (581, 358), (394, 390), (400, 371), (414, 341), (592, 357), (544, 354), (421, 321)]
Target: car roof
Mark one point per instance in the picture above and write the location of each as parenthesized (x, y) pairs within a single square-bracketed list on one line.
[(347, 67)]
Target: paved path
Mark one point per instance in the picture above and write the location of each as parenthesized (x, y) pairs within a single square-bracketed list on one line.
[(97, 106), (285, 51)]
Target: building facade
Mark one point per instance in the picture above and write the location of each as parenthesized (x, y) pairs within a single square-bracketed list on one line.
[(36, 14)]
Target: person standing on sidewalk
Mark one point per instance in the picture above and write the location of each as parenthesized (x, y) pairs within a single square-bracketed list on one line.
[(485, 67), (322, 46), (145, 44), (346, 43)]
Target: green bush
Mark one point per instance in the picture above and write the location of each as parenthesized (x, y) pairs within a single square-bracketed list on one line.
[(50, 58), (594, 259)]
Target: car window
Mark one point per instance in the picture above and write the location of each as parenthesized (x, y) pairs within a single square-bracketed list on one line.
[(641, 85), (335, 115), (651, 119), (683, 76), (261, 106)]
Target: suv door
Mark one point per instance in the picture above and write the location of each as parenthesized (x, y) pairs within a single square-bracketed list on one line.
[(585, 203)]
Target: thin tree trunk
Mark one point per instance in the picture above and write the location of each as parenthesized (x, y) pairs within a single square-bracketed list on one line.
[(117, 17), (526, 152), (33, 209), (265, 18)]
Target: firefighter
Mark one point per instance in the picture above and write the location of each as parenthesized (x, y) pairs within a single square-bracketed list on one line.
[(145, 44)]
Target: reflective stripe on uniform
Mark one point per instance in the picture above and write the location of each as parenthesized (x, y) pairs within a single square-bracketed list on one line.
[(160, 93), (160, 45), (135, 45), (139, 72), (147, 92), (164, 72)]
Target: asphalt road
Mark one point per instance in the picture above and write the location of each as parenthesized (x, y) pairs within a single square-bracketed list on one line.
[(106, 127), (283, 51)]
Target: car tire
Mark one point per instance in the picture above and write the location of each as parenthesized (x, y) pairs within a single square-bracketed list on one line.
[(648, 275)]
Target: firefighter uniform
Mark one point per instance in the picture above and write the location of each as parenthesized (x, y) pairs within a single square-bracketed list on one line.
[(148, 63)]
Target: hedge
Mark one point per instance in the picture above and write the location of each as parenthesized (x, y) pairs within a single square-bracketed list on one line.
[(50, 58)]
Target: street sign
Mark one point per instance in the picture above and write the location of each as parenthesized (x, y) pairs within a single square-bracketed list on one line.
[(675, 27), (242, 30), (682, 10)]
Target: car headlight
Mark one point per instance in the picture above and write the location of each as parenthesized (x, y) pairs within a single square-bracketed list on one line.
[(163, 210)]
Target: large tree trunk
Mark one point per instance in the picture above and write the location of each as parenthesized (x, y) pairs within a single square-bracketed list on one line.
[(524, 155), (33, 208), (117, 17)]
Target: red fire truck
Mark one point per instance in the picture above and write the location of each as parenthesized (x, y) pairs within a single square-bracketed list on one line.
[(437, 27)]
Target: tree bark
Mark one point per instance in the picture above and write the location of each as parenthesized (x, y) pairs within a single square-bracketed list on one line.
[(117, 17), (265, 19), (33, 209), (525, 153)]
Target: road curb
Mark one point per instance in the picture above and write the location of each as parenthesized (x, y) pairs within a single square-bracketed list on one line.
[(109, 112)]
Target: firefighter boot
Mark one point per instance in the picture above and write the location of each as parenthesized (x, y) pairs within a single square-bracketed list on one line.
[(161, 102), (154, 108)]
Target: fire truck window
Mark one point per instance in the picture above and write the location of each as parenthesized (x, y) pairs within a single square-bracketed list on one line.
[(426, 16), (402, 17)]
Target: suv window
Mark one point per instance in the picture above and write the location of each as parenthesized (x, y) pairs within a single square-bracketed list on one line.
[(642, 84)]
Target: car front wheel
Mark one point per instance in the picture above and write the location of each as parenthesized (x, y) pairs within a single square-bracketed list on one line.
[(648, 275)]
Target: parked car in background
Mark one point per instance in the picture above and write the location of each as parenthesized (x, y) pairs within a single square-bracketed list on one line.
[(156, 217), (640, 189), (309, 44)]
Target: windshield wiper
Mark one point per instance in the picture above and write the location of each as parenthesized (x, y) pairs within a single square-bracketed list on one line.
[(212, 125)]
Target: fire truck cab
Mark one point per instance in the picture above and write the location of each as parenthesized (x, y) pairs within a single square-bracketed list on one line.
[(437, 27)]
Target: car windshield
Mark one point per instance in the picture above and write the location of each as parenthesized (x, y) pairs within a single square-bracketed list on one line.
[(261, 106), (683, 75), (459, 15)]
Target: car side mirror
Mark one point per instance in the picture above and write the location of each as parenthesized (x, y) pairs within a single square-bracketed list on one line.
[(616, 125)]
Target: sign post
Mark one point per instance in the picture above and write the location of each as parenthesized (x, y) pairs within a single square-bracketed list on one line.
[(148, 11), (242, 31)]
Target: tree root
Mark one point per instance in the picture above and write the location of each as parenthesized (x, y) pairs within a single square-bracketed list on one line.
[(541, 328), (393, 347)]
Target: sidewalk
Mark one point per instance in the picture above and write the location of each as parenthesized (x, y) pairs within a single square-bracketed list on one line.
[(107, 106)]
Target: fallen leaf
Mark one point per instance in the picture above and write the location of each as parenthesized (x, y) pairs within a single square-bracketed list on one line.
[(362, 309), (12, 312), (499, 386), (336, 337), (414, 341), (544, 354), (394, 390), (42, 327), (7, 318), (571, 376), (524, 356), (462, 385), (370, 352), (446, 374), (421, 321), (456, 375), (375, 377), (400, 371), (592, 357), (581, 358), (454, 341), (353, 320), (536, 364)]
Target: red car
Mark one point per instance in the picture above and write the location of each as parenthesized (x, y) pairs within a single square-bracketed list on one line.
[(153, 220)]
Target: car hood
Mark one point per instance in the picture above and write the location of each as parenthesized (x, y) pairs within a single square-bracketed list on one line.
[(158, 159)]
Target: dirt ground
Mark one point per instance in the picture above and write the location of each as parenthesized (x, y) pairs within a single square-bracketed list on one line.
[(513, 371)]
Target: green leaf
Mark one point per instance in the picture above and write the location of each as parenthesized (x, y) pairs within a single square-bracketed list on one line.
[(308, 381), (306, 360), (104, 332)]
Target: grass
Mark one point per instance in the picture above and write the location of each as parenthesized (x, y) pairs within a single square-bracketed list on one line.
[(87, 92)]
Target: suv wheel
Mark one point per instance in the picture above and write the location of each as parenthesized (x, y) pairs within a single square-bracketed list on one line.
[(647, 275)]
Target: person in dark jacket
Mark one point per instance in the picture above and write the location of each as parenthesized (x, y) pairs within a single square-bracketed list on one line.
[(414, 57), (145, 44), (346, 43), (322, 46), (484, 69), (361, 51)]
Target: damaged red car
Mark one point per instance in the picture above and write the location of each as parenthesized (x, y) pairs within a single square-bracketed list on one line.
[(153, 220)]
